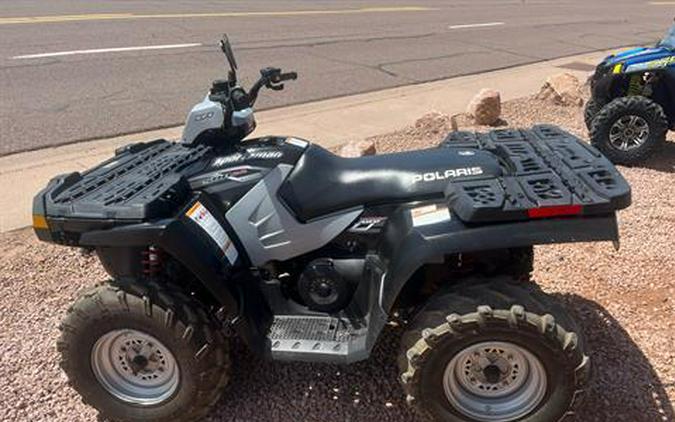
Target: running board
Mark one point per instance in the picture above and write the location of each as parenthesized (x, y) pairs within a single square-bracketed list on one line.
[(317, 339)]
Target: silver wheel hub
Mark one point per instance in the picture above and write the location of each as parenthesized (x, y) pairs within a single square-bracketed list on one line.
[(494, 381), (135, 367), (628, 133)]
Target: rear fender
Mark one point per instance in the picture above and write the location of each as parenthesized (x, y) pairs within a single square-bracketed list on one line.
[(407, 246)]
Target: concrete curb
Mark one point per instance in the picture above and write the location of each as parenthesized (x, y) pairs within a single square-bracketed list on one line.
[(328, 122)]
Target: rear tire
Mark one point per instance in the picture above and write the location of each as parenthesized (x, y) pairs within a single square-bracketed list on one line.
[(143, 352), (493, 349), (629, 129)]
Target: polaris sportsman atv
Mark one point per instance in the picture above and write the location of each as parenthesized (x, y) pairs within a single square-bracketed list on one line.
[(306, 256), (632, 103)]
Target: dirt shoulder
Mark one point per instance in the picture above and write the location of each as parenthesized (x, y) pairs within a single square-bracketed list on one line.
[(625, 302)]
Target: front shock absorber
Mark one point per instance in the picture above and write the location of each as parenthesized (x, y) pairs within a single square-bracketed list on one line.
[(635, 85)]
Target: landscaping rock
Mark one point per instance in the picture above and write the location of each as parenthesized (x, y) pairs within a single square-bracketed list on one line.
[(486, 107), (357, 149), (431, 124), (562, 89)]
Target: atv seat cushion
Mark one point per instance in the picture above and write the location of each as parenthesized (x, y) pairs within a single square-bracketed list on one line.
[(322, 183)]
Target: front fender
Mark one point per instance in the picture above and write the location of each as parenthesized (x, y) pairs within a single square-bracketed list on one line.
[(607, 86), (181, 239)]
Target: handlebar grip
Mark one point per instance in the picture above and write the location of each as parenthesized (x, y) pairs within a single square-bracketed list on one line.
[(285, 77)]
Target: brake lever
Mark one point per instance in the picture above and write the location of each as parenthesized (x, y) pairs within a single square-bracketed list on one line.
[(277, 87)]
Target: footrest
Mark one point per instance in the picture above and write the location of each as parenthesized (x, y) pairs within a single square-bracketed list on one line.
[(315, 338)]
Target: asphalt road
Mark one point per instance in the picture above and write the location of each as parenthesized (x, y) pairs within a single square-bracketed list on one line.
[(337, 47)]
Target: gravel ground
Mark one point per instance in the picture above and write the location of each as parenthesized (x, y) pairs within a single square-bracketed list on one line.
[(624, 301)]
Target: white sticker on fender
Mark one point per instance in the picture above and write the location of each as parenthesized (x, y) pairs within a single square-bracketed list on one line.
[(429, 214), (204, 219)]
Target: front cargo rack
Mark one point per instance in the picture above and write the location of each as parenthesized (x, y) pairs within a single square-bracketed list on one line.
[(548, 172), (141, 181)]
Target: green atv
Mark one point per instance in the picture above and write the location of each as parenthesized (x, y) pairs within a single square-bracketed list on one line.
[(632, 104)]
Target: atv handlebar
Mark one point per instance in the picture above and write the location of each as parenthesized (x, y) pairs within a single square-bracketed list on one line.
[(272, 78), (290, 76)]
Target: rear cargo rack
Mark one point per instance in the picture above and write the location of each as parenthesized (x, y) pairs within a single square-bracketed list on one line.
[(141, 181), (545, 168)]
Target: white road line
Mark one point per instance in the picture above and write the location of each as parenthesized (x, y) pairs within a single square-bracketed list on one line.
[(476, 25), (106, 50)]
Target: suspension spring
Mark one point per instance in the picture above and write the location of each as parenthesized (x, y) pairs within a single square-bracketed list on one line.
[(635, 85), (151, 260)]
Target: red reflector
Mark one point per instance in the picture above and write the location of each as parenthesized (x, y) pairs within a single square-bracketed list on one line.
[(544, 212)]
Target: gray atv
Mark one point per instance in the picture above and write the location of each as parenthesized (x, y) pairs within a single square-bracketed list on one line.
[(306, 256)]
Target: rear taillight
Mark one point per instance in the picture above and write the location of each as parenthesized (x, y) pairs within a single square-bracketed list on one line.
[(556, 211)]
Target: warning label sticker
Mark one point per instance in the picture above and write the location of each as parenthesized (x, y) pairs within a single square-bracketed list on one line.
[(204, 219), (429, 214)]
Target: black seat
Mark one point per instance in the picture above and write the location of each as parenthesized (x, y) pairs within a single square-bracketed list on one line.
[(323, 183)]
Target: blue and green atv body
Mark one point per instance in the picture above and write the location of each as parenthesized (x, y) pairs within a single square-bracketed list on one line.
[(632, 103)]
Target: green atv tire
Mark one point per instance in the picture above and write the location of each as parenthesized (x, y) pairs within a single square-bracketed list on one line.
[(591, 109), (629, 129)]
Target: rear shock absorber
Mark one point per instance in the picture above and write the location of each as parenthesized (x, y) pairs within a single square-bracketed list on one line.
[(151, 259)]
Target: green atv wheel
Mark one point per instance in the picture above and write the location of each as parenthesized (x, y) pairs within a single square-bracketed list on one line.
[(629, 129), (591, 109), (493, 349)]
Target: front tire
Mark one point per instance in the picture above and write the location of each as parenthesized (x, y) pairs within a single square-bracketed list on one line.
[(629, 129), (493, 350), (143, 352), (591, 109)]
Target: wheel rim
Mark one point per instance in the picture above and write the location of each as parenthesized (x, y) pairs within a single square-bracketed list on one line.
[(135, 367), (495, 381), (629, 132)]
